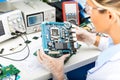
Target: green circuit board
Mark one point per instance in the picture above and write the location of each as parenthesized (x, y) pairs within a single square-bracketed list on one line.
[(8, 71)]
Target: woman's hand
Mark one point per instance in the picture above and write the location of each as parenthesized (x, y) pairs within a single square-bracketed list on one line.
[(85, 36), (54, 65)]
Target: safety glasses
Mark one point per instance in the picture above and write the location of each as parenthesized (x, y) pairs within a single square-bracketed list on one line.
[(88, 9)]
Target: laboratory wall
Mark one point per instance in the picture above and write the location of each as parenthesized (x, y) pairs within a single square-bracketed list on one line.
[(3, 0)]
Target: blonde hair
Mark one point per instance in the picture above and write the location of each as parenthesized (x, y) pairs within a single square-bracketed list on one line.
[(111, 5)]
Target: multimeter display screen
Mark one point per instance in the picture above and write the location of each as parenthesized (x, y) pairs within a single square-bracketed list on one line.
[(34, 19), (2, 32), (70, 8)]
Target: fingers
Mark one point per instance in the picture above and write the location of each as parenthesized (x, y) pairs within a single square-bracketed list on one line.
[(64, 56), (73, 25), (42, 56), (79, 30), (39, 56)]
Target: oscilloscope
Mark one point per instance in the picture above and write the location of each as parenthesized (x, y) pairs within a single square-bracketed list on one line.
[(35, 12)]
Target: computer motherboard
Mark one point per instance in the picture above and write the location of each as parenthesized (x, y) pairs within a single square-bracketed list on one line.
[(57, 39)]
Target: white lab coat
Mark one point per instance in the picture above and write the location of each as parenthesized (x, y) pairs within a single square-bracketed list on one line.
[(105, 42), (108, 71), (107, 66)]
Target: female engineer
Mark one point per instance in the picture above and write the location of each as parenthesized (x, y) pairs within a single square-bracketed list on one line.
[(105, 15)]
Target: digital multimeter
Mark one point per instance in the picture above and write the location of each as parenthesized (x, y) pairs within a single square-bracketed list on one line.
[(70, 11)]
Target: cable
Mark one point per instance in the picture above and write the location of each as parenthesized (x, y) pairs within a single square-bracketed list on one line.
[(14, 52), (19, 50), (3, 56), (19, 59)]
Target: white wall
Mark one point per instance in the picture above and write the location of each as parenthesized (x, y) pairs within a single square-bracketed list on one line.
[(82, 2)]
